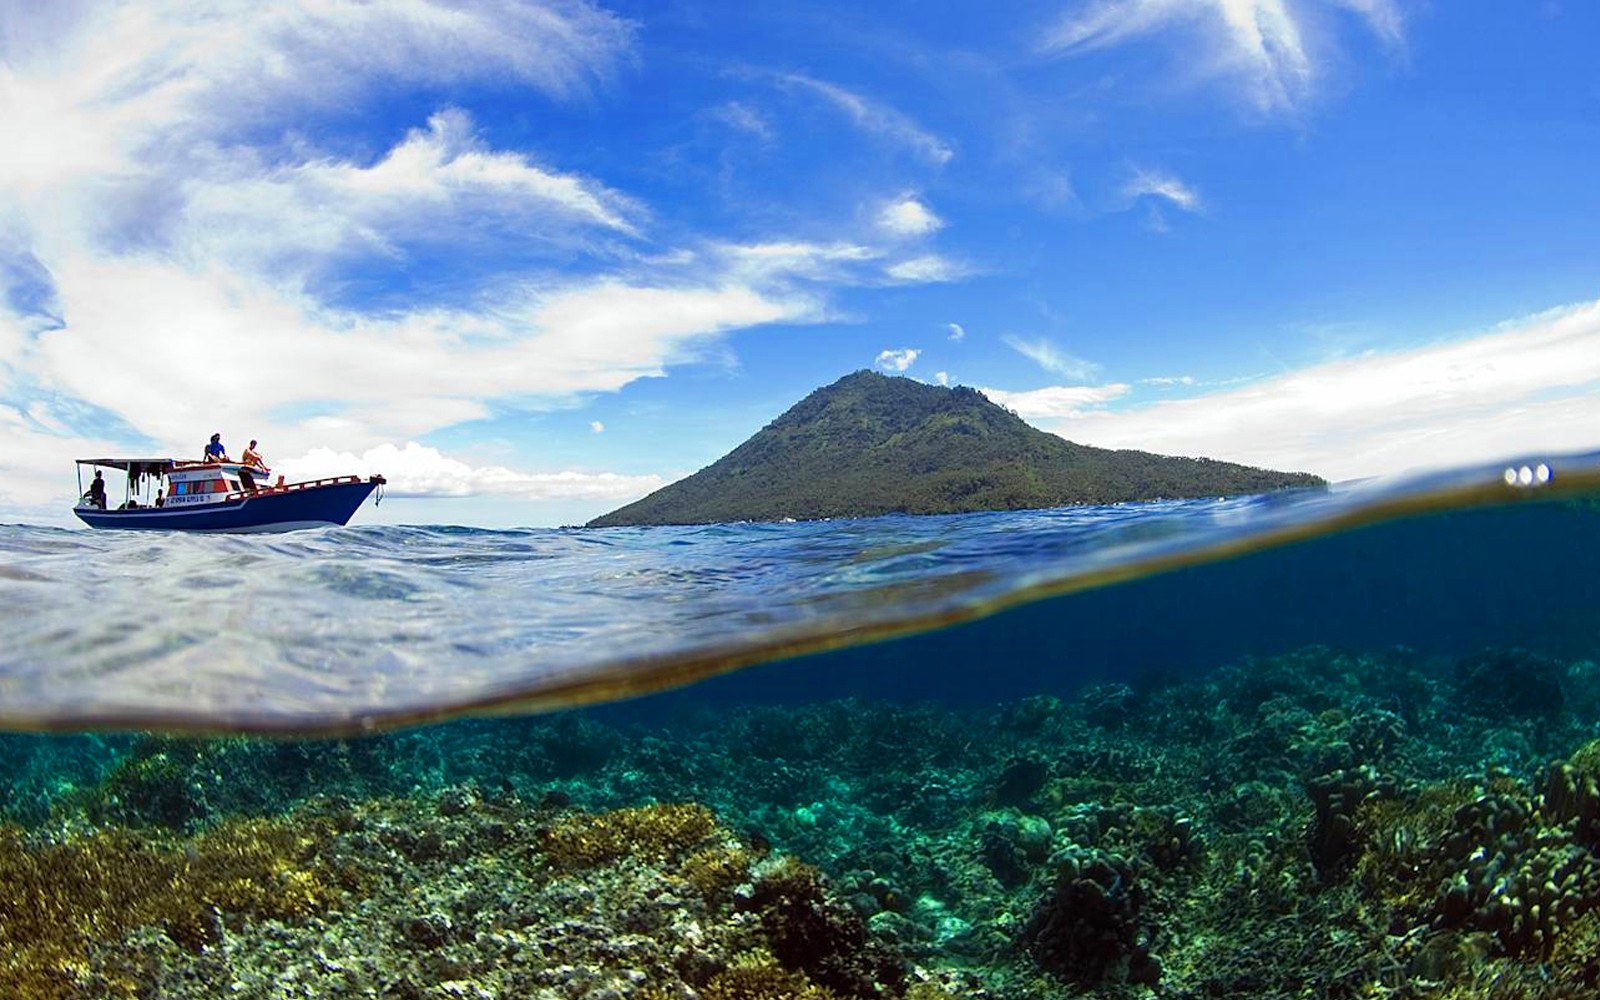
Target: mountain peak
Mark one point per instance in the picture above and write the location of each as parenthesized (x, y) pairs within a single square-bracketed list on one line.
[(871, 444)]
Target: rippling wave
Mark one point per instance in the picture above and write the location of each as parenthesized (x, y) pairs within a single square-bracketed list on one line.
[(356, 628)]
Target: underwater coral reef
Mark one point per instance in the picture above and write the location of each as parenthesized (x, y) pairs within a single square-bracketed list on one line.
[(1322, 824)]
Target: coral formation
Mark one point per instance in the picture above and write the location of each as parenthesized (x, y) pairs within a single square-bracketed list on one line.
[(1087, 928), (654, 832), (63, 899), (812, 933), (1318, 824)]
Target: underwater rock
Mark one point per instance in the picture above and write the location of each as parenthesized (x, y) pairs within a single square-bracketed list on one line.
[(1514, 682), (1107, 705), (1086, 929), (1020, 781), (1011, 843)]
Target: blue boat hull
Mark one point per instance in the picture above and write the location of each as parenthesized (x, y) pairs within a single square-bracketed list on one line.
[(310, 507)]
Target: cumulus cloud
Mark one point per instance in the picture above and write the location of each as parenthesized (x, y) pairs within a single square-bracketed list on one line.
[(957, 331), (943, 378), (874, 118), (415, 470), (596, 427), (1051, 358), (1056, 401), (1529, 386), (908, 216), (1268, 48), (897, 361)]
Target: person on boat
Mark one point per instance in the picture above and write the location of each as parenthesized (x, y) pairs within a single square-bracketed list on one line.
[(215, 452), (161, 498), (253, 458), (96, 494)]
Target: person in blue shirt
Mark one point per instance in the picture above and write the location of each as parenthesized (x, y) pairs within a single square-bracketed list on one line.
[(215, 452)]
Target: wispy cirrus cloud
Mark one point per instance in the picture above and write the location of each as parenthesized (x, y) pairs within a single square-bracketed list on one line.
[(102, 88), (1160, 184), (742, 117), (874, 117), (1527, 386), (1051, 358), (1268, 48), (929, 268), (1057, 401), (1157, 188)]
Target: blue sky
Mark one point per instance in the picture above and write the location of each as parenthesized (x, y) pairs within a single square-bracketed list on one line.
[(531, 260)]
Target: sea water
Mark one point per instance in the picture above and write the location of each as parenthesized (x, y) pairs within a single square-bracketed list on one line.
[(1328, 743)]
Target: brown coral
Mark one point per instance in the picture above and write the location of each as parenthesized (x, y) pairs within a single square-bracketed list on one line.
[(63, 898), (654, 832)]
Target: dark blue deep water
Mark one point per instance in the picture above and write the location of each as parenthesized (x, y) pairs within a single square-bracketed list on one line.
[(1335, 743)]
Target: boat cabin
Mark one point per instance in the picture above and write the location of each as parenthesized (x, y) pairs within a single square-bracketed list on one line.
[(167, 482), (200, 484)]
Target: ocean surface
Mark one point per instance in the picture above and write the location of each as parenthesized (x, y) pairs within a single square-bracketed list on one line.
[(1323, 743)]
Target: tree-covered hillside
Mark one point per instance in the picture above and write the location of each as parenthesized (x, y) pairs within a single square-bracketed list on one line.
[(870, 444)]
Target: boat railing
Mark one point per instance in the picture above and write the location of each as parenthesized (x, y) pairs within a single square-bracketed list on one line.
[(292, 487)]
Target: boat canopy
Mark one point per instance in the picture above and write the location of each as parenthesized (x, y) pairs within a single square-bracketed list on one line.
[(146, 466), (136, 468)]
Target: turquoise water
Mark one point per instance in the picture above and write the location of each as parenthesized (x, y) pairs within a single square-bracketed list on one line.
[(1317, 744)]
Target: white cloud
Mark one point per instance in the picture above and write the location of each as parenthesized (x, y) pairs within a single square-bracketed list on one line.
[(957, 331), (907, 216), (1530, 386), (876, 119), (149, 343), (765, 262), (743, 118), (1382, 16), (1051, 358), (596, 427), (1056, 401), (36, 465), (416, 470), (1167, 381), (943, 378), (1159, 184), (897, 361), (438, 185), (99, 89), (1269, 48), (929, 268)]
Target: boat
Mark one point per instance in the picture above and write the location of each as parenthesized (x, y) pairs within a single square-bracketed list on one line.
[(167, 494)]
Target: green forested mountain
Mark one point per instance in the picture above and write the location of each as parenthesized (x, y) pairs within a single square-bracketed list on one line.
[(870, 444)]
